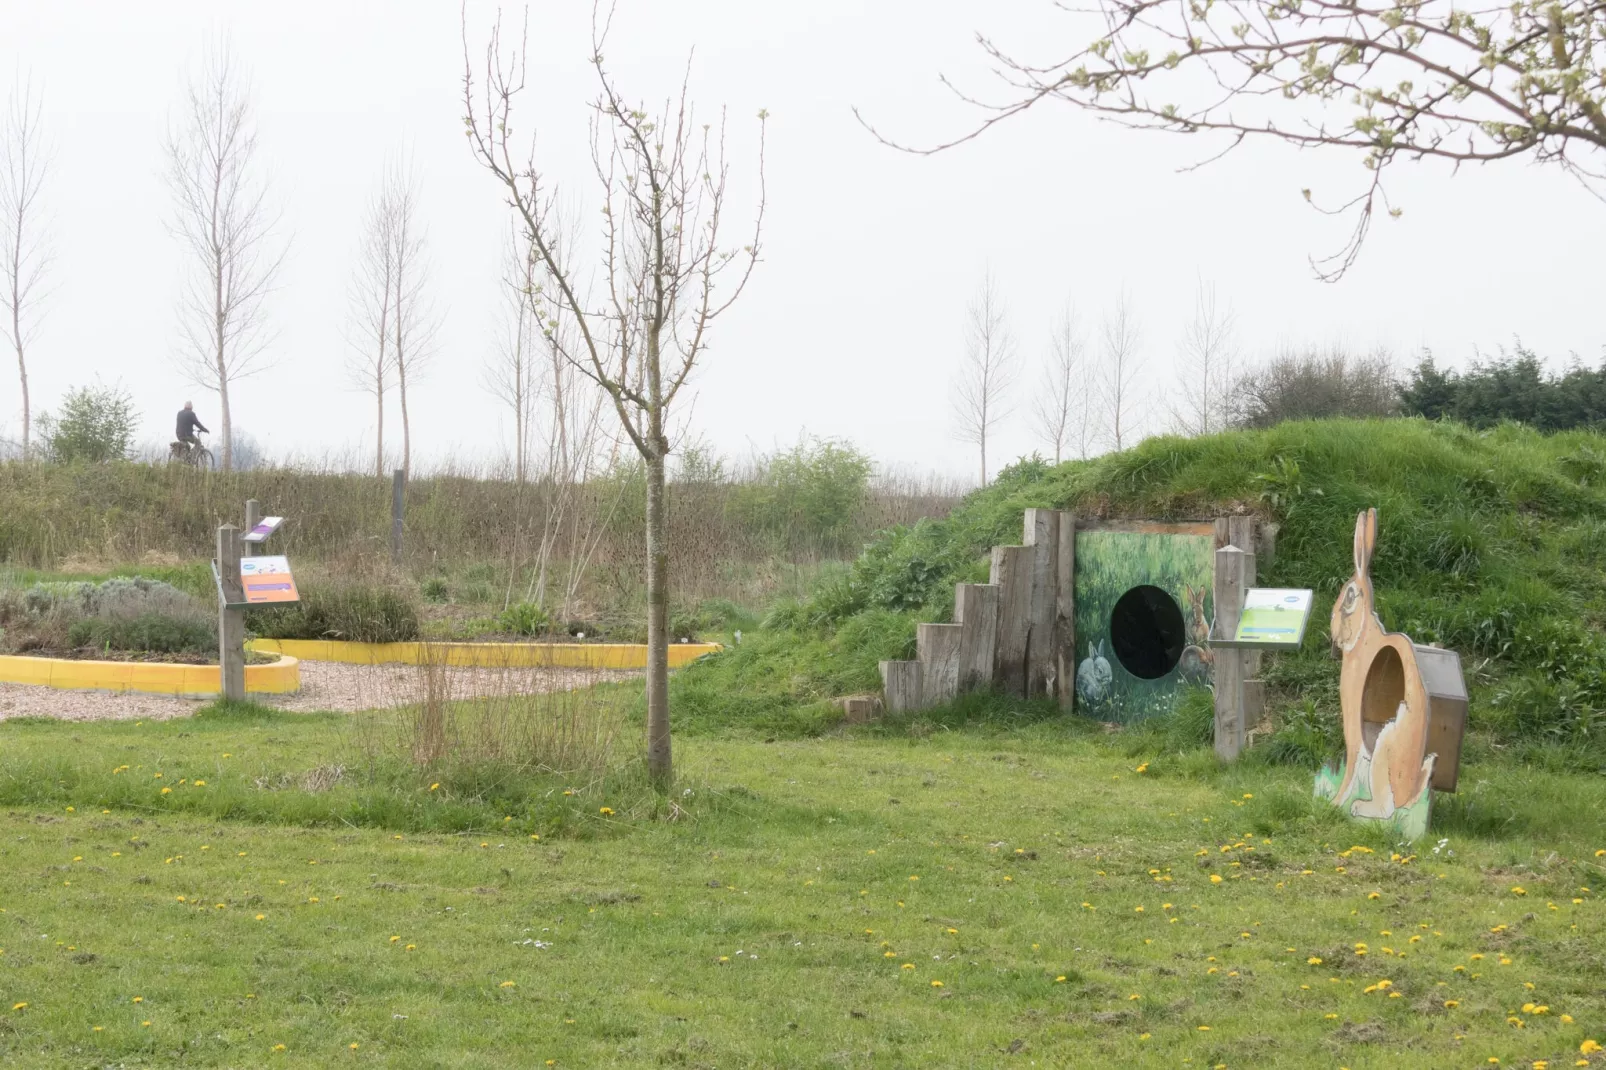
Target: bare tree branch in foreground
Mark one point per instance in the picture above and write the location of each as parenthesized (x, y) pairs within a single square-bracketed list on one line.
[(987, 371), (222, 219), (23, 167), (668, 270), (1387, 79)]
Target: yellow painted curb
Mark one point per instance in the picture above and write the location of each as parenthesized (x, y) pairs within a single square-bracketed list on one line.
[(484, 655), (147, 677)]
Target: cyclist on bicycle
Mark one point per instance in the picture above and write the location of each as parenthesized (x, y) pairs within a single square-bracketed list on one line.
[(188, 424)]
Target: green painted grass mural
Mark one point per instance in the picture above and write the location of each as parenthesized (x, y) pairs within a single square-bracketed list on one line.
[(1143, 607)]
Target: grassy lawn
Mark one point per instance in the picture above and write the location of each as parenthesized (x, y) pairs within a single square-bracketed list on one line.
[(963, 899)]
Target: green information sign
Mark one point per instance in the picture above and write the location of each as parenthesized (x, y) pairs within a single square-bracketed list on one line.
[(1273, 618)]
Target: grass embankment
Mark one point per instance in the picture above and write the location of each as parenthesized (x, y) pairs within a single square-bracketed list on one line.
[(970, 898), (1492, 544)]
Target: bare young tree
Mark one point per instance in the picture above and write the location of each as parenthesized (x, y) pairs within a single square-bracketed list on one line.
[(1061, 408), (372, 361), (414, 321), (23, 166), (222, 218), (511, 374), (668, 272), (987, 371), (1123, 364), (1206, 366)]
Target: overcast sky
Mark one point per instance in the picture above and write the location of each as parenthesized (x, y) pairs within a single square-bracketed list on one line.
[(853, 324)]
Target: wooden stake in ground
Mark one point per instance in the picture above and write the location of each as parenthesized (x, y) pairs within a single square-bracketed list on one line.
[(662, 180), (230, 621)]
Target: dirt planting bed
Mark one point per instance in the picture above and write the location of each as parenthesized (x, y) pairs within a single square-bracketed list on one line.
[(324, 686)]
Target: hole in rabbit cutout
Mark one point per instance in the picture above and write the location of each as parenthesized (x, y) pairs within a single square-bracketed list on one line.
[(1147, 632), (1381, 694)]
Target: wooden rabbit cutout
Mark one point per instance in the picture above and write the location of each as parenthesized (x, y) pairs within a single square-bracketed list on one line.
[(1385, 705)]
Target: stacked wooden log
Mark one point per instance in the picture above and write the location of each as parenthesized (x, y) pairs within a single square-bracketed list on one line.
[(1012, 634)]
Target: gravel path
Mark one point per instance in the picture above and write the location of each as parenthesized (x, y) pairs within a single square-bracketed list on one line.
[(325, 685)]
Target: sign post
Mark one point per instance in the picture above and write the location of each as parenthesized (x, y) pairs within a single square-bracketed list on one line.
[(245, 579), (230, 615)]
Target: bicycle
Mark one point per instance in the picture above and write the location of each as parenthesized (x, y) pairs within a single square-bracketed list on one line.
[(191, 453)]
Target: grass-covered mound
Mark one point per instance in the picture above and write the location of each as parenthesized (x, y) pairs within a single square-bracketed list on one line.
[(1492, 543)]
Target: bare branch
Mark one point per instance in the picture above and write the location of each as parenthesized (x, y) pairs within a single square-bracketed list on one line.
[(987, 371)]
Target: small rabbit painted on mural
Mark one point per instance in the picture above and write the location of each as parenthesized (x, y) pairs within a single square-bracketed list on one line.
[(1197, 657), (1094, 676)]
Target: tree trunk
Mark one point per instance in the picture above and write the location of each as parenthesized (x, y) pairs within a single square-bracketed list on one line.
[(659, 764), (225, 422), (22, 370)]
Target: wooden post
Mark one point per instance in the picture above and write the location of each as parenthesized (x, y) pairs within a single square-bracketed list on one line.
[(1065, 613), (230, 622), (1042, 535), (976, 611), (938, 647), (253, 517), (900, 681), (398, 492), (1232, 567), (1012, 572)]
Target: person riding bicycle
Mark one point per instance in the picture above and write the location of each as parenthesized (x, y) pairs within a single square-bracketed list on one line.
[(188, 424)]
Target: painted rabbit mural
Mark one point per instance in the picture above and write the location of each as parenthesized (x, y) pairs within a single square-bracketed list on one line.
[(1386, 770), (1094, 677), (1197, 657)]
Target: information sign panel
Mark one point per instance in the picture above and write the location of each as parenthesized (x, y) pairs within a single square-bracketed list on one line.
[(260, 533), (1273, 618), (267, 580)]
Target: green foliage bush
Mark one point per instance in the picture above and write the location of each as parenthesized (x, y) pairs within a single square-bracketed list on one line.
[(524, 618), (93, 425), (357, 612), (809, 494), (146, 633), (434, 589)]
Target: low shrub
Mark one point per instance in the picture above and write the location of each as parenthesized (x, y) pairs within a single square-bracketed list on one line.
[(356, 613), (524, 618), (147, 633)]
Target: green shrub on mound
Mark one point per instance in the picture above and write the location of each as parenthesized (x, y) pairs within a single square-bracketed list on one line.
[(361, 613), (1492, 543)]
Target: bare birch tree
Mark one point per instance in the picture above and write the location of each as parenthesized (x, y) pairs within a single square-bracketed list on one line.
[(1119, 379), (663, 179), (223, 221), (414, 321), (1206, 366), (372, 362), (23, 167), (1061, 408), (510, 376), (987, 371)]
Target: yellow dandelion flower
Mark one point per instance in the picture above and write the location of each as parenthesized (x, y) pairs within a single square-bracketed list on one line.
[(1204, 1029), (19, 1006), (1314, 960), (261, 917), (353, 1047), (1374, 895), (1329, 1017), (936, 984), (508, 984), (907, 966), (606, 811), (412, 947), (1215, 878), (201, 784), (1566, 1019), (1588, 1047), (139, 999), (1518, 890), (167, 791), (1452, 1004), (435, 786)]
